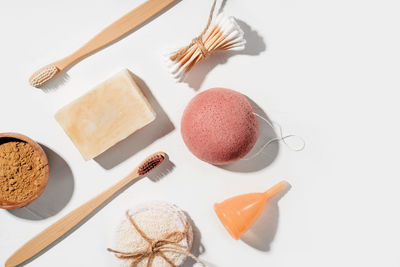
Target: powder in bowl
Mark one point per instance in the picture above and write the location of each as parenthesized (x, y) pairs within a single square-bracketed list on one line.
[(158, 221), (23, 173)]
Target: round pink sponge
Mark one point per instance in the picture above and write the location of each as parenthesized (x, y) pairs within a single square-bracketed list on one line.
[(219, 126)]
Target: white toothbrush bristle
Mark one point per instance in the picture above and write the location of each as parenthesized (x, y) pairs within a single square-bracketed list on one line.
[(43, 75)]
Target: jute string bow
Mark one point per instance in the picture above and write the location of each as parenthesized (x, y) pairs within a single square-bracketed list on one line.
[(221, 33), (157, 247), (197, 40)]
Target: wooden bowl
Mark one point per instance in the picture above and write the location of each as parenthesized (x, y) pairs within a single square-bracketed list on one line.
[(7, 137)]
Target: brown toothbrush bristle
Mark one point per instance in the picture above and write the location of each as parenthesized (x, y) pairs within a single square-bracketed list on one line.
[(43, 75), (151, 163)]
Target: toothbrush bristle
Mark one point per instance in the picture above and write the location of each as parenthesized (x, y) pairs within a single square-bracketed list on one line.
[(43, 75), (151, 163)]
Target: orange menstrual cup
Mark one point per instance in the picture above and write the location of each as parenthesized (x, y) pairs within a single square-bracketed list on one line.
[(238, 213)]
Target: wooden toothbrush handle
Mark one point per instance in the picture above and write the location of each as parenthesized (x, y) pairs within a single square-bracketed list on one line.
[(116, 30), (62, 226)]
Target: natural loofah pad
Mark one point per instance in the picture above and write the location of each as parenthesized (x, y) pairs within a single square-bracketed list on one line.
[(157, 220), (219, 126)]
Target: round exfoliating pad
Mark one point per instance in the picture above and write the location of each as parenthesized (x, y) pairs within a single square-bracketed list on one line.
[(219, 126), (157, 220)]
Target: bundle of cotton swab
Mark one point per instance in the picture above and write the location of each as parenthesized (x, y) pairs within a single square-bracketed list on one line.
[(221, 34)]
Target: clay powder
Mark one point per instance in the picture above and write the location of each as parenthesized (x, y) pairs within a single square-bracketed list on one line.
[(21, 171)]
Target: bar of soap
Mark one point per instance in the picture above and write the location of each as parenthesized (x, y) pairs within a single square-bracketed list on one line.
[(109, 113)]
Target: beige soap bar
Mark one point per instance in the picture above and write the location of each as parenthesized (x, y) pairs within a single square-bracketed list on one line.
[(109, 113)]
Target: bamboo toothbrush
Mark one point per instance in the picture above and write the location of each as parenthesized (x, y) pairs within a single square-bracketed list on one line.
[(116, 30), (62, 226)]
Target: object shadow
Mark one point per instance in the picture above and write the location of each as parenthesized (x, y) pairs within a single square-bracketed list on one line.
[(165, 169), (261, 235), (197, 246), (57, 194), (222, 6), (137, 141), (255, 45), (259, 157), (56, 82), (63, 77)]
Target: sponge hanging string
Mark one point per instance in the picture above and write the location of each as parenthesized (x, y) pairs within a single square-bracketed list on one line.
[(280, 137), (223, 33)]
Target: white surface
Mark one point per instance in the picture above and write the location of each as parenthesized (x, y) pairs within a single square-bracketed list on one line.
[(329, 73)]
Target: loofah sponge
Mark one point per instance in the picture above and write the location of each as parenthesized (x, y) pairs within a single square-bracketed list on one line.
[(219, 126), (157, 220)]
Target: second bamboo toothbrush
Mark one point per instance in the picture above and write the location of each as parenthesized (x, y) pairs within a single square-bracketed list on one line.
[(62, 226), (122, 26)]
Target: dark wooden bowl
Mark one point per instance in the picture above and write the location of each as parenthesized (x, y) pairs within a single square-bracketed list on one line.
[(7, 137)]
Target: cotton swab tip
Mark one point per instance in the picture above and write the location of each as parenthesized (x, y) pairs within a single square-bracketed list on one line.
[(222, 34)]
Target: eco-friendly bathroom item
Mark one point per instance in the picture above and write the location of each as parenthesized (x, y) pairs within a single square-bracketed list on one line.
[(219, 126), (24, 170), (238, 213), (109, 113), (156, 234), (124, 25), (62, 226), (222, 33)]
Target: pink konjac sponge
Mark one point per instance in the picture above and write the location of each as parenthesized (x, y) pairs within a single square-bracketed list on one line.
[(219, 126)]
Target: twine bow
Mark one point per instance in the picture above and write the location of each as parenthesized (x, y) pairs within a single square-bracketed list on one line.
[(157, 247), (198, 41)]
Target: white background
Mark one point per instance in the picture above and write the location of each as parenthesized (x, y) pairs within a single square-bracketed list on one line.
[(325, 70)]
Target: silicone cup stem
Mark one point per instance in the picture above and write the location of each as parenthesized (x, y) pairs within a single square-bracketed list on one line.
[(276, 189)]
